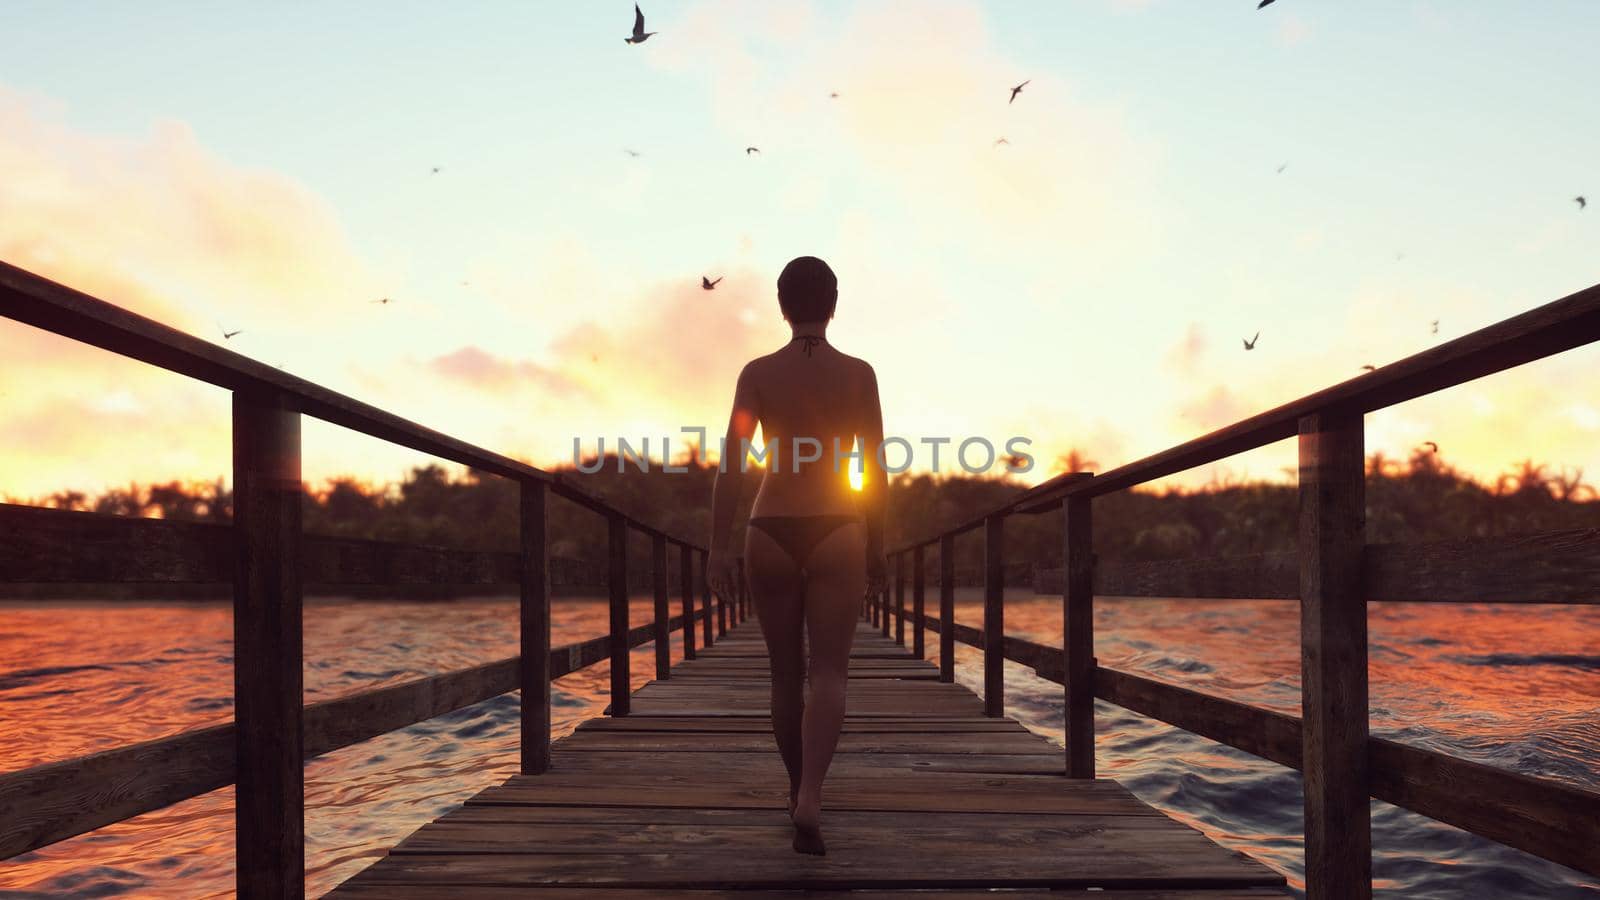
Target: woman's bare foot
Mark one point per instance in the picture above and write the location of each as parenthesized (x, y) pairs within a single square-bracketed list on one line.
[(807, 817)]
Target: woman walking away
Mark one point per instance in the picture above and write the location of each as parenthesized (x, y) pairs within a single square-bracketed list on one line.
[(814, 545)]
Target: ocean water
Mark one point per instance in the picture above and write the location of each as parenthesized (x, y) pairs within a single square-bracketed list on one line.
[(1516, 687)]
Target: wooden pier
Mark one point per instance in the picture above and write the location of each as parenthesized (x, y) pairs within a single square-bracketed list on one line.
[(680, 790), (685, 796)]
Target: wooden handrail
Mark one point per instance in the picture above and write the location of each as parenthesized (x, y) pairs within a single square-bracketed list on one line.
[(42, 303)]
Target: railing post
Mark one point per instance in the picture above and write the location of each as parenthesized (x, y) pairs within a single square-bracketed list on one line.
[(705, 597), (742, 604), (658, 563), (722, 615), (885, 614), (686, 577), (947, 608), (918, 612), (900, 599), (994, 624), (1077, 639), (617, 583), (1333, 657), (534, 618), (267, 649)]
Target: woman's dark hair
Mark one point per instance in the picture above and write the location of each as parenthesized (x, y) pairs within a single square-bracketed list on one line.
[(807, 290)]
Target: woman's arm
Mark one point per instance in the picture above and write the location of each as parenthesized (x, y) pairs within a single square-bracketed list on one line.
[(730, 476), (874, 482)]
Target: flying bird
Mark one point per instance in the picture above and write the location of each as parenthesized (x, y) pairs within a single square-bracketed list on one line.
[(1001, 141), (383, 300), (1435, 326), (1017, 90), (1432, 447), (226, 334), (436, 170), (1282, 167), (1582, 203), (1251, 344), (639, 34), (750, 150), (1370, 367), (632, 153), (833, 95), (1263, 4), (708, 284)]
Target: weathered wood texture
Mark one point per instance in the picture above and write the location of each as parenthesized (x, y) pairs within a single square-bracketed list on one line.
[(919, 607), (947, 608), (269, 799), (994, 613), (1077, 638), (617, 588), (940, 799), (686, 587), (1333, 657), (900, 599), (533, 618), (663, 639)]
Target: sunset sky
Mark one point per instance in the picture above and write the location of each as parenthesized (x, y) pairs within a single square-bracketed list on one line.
[(267, 167)]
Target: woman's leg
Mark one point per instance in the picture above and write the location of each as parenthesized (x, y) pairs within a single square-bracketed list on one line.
[(775, 586), (836, 581)]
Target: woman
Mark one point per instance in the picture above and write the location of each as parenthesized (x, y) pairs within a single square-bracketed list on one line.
[(814, 547)]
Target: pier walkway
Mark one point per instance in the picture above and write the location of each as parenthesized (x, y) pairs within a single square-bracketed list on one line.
[(687, 793)]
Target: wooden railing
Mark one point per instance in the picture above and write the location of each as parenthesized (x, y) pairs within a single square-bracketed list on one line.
[(268, 561), (1333, 575)]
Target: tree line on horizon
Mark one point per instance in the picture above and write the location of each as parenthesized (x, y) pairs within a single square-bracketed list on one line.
[(1421, 498)]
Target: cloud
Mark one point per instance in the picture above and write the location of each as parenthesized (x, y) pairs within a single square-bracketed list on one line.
[(483, 370), (1185, 356)]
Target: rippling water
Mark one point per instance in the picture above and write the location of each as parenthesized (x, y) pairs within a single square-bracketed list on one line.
[(1516, 687)]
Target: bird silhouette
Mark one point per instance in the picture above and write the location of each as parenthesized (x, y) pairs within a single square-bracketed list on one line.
[(1582, 203), (383, 300), (1432, 447), (1001, 141), (833, 95), (1435, 326), (1282, 167), (708, 284), (1017, 90), (750, 150), (632, 153), (639, 35), (226, 334), (436, 170), (1264, 3), (1251, 344), (1370, 367)]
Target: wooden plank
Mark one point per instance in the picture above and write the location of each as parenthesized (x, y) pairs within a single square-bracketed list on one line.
[(1333, 656), (1547, 567), (1077, 639), (1258, 576), (533, 617), (56, 546), (705, 598), (1267, 734), (269, 800), (900, 599), (663, 638), (852, 725), (851, 742), (503, 892)]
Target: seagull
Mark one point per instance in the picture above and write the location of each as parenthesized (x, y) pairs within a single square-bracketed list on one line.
[(384, 300), (1370, 367), (1435, 326), (750, 150), (833, 95), (708, 284), (1282, 167), (639, 34), (1251, 344), (1432, 447), (632, 153), (226, 334), (1001, 141), (1581, 202), (1263, 4), (1017, 90), (436, 170)]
